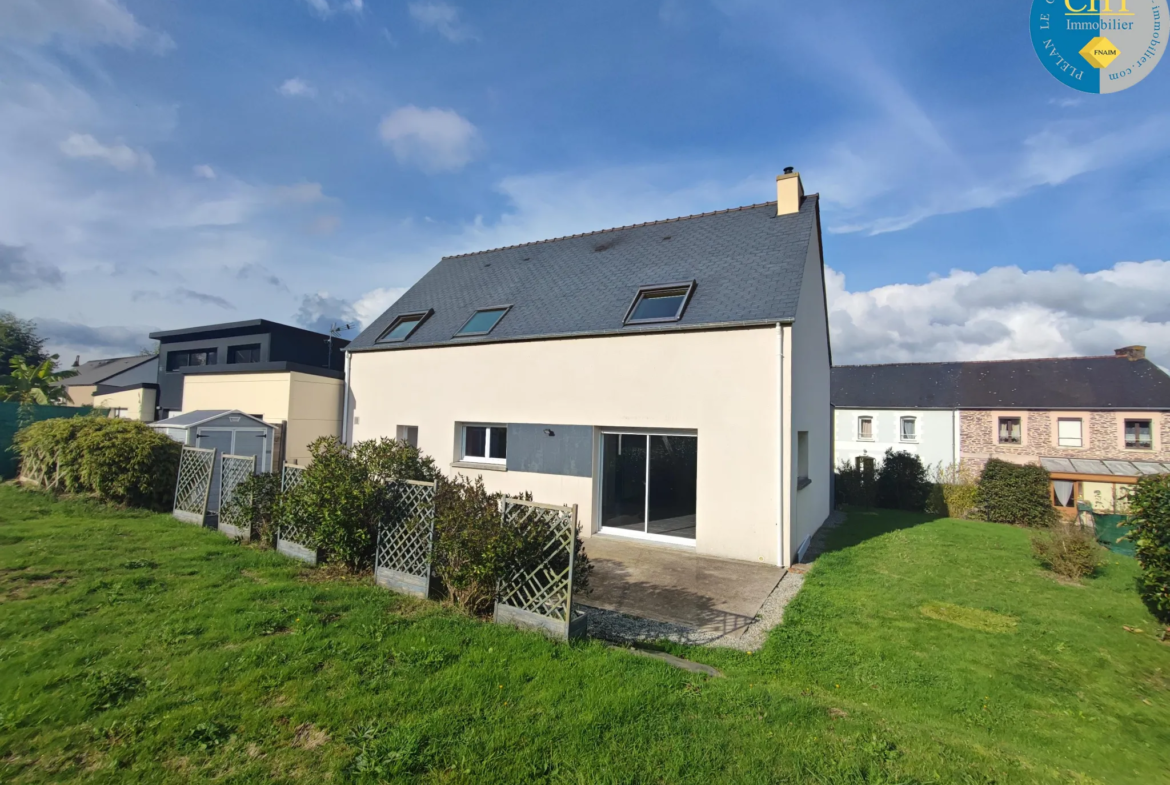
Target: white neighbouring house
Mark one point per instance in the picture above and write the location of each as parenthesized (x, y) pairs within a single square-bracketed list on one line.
[(670, 378)]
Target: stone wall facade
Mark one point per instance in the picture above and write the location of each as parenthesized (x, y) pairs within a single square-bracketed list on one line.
[(1102, 436)]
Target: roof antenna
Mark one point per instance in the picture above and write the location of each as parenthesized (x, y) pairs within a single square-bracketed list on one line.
[(334, 330)]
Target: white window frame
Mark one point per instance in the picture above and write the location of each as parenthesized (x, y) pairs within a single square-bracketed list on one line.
[(872, 436), (902, 429), (487, 444), (1080, 439)]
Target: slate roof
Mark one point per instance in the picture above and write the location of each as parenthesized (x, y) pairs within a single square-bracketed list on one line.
[(1054, 383), (188, 419), (97, 371), (748, 263)]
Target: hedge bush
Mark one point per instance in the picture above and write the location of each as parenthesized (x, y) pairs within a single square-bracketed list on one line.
[(343, 494), (1149, 510), (257, 503), (119, 461), (1068, 549), (901, 482), (953, 491), (1014, 493), (854, 483), (475, 548)]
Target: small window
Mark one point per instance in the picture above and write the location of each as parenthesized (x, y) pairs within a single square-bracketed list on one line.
[(802, 455), (408, 434), (909, 426), (244, 354), (1139, 435), (483, 321), (865, 428), (485, 443), (1068, 433), (1010, 430), (662, 303), (402, 327)]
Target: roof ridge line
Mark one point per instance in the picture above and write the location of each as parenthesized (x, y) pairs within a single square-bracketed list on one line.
[(987, 362), (617, 229)]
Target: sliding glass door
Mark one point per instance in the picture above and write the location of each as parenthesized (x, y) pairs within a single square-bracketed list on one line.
[(648, 485)]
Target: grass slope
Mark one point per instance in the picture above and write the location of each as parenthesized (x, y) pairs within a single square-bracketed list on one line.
[(137, 649)]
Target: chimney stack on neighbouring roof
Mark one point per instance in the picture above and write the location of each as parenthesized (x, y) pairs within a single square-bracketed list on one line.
[(789, 192), (77, 362), (1131, 352)]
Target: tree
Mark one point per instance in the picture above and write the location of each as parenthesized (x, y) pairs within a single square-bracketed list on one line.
[(18, 338), (35, 384)]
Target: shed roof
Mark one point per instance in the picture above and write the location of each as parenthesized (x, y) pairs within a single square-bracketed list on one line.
[(1051, 383), (748, 264), (200, 416)]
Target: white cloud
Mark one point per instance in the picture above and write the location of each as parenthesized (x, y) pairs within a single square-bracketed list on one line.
[(373, 304), (204, 171), (324, 224), (301, 193), (119, 156), (324, 10), (297, 87), (82, 21), (433, 139), (1004, 313), (442, 18)]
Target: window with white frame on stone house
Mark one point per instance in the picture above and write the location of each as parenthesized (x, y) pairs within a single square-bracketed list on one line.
[(1070, 432), (1011, 430), (1139, 434)]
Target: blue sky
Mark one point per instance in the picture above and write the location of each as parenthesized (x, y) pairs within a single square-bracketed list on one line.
[(164, 165)]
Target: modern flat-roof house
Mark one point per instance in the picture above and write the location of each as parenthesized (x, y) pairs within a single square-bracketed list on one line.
[(1096, 423), (670, 378), (287, 376), (112, 373)]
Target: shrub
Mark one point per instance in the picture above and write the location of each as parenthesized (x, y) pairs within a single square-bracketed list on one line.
[(1068, 549), (120, 461), (343, 494), (901, 482), (475, 548), (257, 503), (953, 490), (1149, 508), (1011, 493), (854, 483)]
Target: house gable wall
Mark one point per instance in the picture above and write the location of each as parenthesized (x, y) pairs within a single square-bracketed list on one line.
[(721, 384)]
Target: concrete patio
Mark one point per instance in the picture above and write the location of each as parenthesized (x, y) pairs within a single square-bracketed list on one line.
[(716, 598)]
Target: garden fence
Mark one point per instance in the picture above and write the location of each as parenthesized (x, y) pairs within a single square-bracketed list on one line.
[(234, 520), (193, 485), (540, 596), (406, 538), (292, 540)]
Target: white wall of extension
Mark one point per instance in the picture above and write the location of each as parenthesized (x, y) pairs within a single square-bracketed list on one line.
[(936, 434)]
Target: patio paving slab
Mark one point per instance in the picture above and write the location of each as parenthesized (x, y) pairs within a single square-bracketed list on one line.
[(719, 598)]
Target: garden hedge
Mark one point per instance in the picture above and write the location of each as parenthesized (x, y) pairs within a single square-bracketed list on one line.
[(119, 461), (1014, 493), (1149, 509)]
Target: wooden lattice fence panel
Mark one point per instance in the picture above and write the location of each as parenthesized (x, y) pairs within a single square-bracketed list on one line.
[(539, 595), (291, 540), (233, 520), (406, 538), (193, 484)]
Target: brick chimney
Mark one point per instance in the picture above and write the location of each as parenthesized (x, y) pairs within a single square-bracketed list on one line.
[(1131, 352), (789, 192)]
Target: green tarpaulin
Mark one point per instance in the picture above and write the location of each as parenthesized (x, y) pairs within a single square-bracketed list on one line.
[(10, 416)]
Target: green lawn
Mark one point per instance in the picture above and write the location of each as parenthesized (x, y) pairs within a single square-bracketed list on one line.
[(134, 648)]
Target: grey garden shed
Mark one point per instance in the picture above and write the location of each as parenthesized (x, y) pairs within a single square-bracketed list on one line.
[(228, 432)]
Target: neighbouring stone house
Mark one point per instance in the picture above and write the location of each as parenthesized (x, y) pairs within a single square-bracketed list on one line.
[(1096, 423)]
